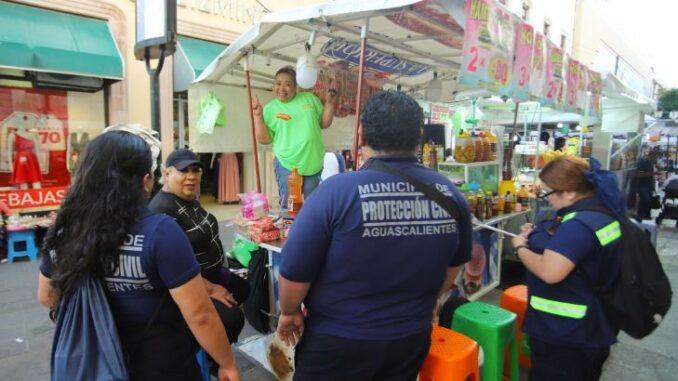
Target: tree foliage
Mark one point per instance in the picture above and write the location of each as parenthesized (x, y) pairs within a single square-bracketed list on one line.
[(669, 101)]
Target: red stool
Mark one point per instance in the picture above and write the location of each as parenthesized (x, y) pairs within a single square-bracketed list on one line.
[(452, 357), (514, 299)]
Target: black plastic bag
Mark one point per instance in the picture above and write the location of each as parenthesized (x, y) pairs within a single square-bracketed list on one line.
[(257, 305)]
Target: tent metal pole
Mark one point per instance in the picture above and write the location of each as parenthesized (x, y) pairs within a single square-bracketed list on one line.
[(358, 103), (255, 151)]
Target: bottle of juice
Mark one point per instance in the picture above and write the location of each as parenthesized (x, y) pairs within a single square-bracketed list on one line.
[(508, 203), (294, 195), (493, 144), (523, 197), (495, 205), (433, 156), (488, 206), (463, 148), (501, 202)]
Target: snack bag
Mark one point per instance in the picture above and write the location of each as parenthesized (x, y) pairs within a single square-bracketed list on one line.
[(254, 205)]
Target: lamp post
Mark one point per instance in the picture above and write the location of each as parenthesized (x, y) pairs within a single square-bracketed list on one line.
[(156, 35)]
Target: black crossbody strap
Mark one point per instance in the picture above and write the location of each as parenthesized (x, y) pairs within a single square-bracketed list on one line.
[(431, 192)]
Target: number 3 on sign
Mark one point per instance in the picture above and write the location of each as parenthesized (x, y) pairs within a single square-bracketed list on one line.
[(472, 65), (523, 76)]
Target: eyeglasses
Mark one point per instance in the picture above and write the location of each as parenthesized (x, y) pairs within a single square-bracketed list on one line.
[(543, 194)]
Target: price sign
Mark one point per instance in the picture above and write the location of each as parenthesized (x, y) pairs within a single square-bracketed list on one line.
[(520, 81), (553, 91), (595, 90), (489, 43), (573, 76), (538, 68)]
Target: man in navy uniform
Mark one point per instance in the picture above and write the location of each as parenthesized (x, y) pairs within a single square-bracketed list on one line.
[(368, 256)]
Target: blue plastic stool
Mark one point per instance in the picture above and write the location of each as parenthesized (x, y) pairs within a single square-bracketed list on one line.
[(27, 237), (201, 356)]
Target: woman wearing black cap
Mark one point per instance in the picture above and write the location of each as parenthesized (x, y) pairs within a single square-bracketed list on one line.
[(178, 198)]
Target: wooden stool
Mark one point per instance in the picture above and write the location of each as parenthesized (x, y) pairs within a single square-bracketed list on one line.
[(514, 299), (494, 329), (21, 243), (452, 357)]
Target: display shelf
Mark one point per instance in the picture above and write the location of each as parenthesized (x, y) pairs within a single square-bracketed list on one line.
[(485, 173)]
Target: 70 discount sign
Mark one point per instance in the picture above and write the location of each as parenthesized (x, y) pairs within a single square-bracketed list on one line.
[(489, 43)]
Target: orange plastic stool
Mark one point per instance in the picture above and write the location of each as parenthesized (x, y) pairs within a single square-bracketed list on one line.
[(452, 357), (514, 299)]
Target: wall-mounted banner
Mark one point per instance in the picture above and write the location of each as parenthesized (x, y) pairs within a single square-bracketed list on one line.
[(488, 47), (595, 91), (374, 59), (572, 76), (520, 81), (552, 94), (538, 74)]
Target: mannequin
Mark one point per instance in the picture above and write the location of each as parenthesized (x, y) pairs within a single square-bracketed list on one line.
[(23, 148)]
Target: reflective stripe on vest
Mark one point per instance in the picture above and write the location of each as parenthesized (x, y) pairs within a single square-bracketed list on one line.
[(609, 233), (569, 310), (569, 216)]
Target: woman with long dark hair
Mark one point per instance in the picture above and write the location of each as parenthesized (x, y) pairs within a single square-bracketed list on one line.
[(143, 260)]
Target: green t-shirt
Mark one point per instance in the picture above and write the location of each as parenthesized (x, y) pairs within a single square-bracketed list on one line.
[(294, 127)]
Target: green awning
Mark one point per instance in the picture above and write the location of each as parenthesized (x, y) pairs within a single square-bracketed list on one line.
[(36, 39), (191, 59)]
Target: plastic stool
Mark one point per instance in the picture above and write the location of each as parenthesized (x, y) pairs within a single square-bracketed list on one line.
[(494, 329), (201, 357), (452, 357), (514, 299), (27, 237)]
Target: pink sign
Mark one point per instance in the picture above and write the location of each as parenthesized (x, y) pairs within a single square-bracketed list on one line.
[(573, 76), (553, 89), (538, 68), (595, 90), (488, 46), (582, 84), (520, 82)]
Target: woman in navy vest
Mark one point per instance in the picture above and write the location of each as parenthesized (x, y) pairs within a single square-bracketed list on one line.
[(570, 337)]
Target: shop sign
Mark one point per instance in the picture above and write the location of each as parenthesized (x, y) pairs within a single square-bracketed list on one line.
[(489, 43), (538, 74), (440, 114), (375, 59), (520, 80), (33, 143), (582, 84), (247, 11), (18, 199), (552, 94)]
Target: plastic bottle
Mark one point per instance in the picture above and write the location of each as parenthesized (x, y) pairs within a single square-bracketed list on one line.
[(523, 197), (488, 206), (433, 156), (463, 148), (480, 205), (294, 196), (495, 205), (477, 147), (486, 149), (501, 201), (493, 144), (508, 203)]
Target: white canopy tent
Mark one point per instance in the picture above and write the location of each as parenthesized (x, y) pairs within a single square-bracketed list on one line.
[(407, 39)]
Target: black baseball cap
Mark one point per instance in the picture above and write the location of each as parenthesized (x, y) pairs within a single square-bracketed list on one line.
[(182, 159)]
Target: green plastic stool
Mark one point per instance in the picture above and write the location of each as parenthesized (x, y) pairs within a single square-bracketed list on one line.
[(493, 328)]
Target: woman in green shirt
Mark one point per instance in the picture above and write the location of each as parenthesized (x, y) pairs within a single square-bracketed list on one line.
[(292, 123)]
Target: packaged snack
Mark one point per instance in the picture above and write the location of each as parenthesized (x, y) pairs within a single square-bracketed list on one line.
[(254, 205)]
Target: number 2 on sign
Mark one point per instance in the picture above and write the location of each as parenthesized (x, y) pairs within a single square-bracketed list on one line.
[(472, 65)]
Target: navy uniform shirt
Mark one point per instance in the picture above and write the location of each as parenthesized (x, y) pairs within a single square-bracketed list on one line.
[(376, 252), (155, 257), (576, 240)]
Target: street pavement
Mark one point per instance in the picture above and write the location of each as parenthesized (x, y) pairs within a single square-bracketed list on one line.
[(26, 331)]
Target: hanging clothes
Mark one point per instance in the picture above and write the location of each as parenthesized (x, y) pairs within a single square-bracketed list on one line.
[(26, 167), (229, 178), (78, 141)]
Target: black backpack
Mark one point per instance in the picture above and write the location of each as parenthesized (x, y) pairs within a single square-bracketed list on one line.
[(641, 296)]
